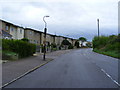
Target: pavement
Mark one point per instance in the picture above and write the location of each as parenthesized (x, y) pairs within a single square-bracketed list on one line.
[(12, 70), (77, 69)]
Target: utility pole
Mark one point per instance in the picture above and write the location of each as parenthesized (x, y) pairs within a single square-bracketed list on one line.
[(98, 27)]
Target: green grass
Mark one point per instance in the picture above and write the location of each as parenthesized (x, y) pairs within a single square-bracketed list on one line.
[(9, 52), (54, 49), (114, 54), (8, 55)]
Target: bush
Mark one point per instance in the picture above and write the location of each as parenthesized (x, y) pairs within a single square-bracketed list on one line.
[(25, 39), (106, 42), (53, 45), (22, 48), (54, 49), (99, 42), (65, 42), (70, 46), (107, 45)]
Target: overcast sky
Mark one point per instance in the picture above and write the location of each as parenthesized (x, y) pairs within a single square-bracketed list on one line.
[(72, 18)]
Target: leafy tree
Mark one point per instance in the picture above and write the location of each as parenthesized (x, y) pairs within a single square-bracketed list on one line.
[(66, 43), (82, 39)]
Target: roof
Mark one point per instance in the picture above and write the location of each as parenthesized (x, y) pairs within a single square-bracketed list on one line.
[(11, 23), (33, 30)]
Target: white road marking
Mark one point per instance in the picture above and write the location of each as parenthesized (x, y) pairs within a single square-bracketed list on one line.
[(111, 77)]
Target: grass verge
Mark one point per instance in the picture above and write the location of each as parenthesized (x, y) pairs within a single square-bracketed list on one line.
[(114, 54), (7, 55)]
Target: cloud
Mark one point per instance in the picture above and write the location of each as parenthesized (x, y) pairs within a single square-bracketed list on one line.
[(73, 17)]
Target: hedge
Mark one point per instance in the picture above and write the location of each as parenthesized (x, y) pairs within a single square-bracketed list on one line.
[(22, 48)]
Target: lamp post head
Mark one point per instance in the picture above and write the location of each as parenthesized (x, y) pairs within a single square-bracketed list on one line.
[(47, 16)]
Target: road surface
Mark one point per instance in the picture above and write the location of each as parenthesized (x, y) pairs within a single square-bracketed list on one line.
[(78, 69)]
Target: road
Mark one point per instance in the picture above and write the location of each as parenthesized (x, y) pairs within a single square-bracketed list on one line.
[(78, 69)]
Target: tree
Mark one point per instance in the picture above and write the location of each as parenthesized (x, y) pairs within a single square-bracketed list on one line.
[(82, 39), (66, 43)]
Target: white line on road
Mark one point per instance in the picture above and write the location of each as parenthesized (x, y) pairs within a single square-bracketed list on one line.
[(111, 77)]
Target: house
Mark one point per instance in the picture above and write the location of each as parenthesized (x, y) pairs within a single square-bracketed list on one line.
[(58, 40), (6, 35), (83, 43), (11, 31), (20, 32), (49, 38), (33, 35), (73, 41)]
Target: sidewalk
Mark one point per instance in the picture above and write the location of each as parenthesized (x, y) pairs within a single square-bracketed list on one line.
[(14, 69)]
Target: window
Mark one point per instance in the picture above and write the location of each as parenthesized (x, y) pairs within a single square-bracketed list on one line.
[(6, 27), (12, 28), (30, 32), (35, 33), (21, 31)]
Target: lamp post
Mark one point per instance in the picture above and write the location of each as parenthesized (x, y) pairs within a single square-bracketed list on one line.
[(45, 30), (98, 27)]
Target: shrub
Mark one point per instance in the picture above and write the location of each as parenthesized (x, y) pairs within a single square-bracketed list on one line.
[(54, 49), (107, 45), (53, 45), (23, 48), (70, 46), (65, 42), (25, 39), (99, 42)]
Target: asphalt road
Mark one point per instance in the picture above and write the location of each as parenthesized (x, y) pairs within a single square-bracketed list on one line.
[(78, 69)]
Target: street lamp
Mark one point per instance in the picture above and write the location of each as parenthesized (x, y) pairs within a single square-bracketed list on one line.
[(45, 30), (98, 27)]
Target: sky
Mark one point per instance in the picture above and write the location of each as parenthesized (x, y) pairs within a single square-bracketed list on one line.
[(71, 18)]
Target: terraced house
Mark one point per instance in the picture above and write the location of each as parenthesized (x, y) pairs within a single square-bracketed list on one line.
[(11, 31), (33, 35)]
